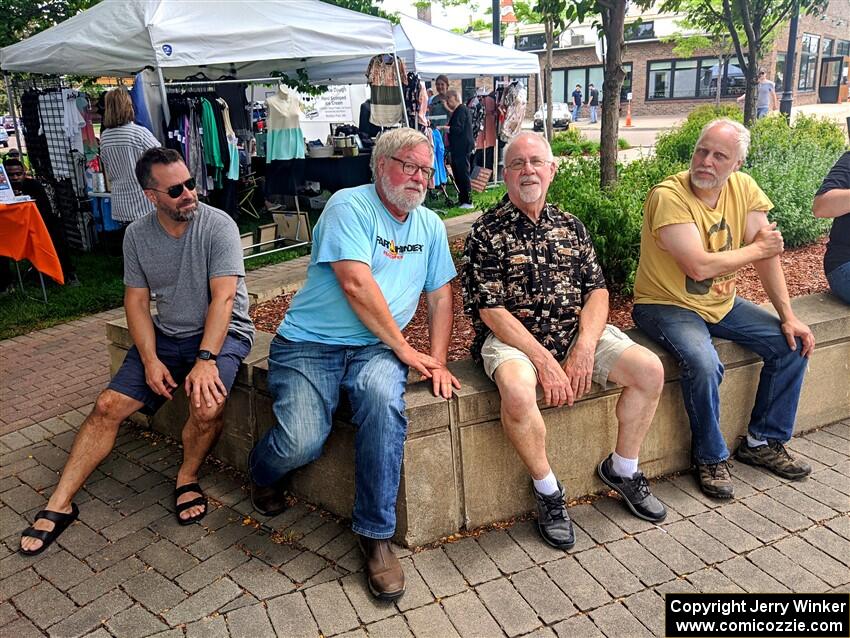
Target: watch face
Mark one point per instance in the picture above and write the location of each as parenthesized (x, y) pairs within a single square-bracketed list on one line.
[(204, 355)]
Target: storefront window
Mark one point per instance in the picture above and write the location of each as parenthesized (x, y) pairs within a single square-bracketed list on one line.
[(828, 44), (693, 78), (659, 81), (779, 73), (564, 81), (842, 47), (808, 62)]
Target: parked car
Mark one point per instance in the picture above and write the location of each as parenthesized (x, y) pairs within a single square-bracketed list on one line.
[(561, 116), (4, 138), (9, 123)]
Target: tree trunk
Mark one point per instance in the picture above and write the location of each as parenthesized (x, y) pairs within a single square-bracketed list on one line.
[(547, 72), (752, 84), (613, 20)]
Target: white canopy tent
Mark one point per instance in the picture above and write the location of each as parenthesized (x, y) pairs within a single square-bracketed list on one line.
[(431, 51), (245, 38)]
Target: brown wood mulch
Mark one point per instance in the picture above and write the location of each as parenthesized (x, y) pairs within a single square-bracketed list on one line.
[(803, 269)]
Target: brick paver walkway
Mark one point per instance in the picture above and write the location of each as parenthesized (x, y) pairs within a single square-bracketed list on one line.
[(127, 569)]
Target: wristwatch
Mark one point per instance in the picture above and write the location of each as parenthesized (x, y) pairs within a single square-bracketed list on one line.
[(206, 355)]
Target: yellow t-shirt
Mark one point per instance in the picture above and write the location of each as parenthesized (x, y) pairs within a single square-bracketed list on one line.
[(659, 279)]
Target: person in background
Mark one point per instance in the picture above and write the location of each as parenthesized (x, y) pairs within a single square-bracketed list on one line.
[(576, 102), (766, 100), (438, 113), (22, 184), (461, 146), (833, 201), (593, 102), (122, 143)]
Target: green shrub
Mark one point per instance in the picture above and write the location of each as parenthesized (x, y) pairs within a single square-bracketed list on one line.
[(789, 164), (612, 217), (677, 145), (572, 142)]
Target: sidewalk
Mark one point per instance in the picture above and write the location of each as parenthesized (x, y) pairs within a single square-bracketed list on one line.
[(127, 569)]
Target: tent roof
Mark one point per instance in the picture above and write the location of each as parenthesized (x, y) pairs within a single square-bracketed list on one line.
[(247, 38), (431, 51)]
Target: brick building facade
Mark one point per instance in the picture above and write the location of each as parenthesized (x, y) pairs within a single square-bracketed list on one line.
[(662, 83)]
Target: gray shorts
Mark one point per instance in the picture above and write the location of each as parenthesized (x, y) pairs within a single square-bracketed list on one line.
[(611, 345)]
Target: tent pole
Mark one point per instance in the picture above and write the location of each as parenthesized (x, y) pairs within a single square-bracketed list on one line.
[(9, 96), (165, 110), (400, 89)]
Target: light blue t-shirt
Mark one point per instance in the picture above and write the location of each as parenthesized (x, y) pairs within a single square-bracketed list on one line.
[(406, 258)]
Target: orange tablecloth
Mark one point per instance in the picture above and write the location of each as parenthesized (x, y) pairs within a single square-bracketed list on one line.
[(23, 235)]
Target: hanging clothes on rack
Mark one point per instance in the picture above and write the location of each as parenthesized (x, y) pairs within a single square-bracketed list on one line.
[(512, 108), (235, 97), (285, 140), (486, 138), (386, 97), (440, 174)]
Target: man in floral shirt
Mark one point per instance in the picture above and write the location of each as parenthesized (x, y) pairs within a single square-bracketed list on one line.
[(539, 306)]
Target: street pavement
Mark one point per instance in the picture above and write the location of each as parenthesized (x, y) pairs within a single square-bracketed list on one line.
[(127, 569)]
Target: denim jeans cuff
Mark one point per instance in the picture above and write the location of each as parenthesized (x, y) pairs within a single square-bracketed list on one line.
[(710, 461), (368, 533)]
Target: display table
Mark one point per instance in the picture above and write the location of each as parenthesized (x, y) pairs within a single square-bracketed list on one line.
[(23, 235), (336, 172)]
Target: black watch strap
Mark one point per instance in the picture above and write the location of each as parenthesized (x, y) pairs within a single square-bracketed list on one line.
[(206, 355)]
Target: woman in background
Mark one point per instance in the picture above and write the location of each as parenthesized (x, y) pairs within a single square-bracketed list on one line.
[(122, 143)]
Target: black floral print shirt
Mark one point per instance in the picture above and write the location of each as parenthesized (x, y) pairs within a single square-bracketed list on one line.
[(541, 273)]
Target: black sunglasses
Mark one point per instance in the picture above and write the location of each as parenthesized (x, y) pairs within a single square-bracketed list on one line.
[(177, 190)]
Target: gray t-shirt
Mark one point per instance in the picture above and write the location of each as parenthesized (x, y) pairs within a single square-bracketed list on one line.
[(765, 89), (178, 271)]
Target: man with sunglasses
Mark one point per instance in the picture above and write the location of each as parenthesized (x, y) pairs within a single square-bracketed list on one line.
[(539, 306), (375, 249), (189, 256)]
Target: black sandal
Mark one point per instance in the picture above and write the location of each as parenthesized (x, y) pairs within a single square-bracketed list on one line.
[(182, 507), (60, 524)]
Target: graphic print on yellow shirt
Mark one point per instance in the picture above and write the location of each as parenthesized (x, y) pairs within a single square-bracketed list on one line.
[(659, 278)]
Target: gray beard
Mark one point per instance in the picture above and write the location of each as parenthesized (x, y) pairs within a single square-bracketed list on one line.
[(398, 198)]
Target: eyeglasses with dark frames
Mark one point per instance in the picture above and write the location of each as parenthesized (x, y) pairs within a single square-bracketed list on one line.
[(177, 190), (536, 162), (409, 168)]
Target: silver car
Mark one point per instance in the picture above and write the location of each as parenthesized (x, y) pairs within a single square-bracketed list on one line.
[(561, 116)]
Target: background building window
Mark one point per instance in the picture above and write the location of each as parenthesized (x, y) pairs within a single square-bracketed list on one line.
[(639, 31), (828, 44), (627, 83), (467, 89), (693, 78), (808, 62), (659, 80), (558, 85), (779, 73), (842, 47)]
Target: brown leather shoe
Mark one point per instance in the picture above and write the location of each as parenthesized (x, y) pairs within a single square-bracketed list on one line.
[(384, 573)]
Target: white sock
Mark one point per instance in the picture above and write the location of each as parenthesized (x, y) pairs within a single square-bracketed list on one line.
[(622, 467), (547, 485), (754, 442)]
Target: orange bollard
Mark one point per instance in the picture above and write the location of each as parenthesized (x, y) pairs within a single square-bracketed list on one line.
[(629, 115)]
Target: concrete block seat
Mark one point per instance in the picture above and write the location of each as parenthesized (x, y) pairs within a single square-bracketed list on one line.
[(459, 469)]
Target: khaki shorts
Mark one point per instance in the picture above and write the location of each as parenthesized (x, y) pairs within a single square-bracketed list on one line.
[(612, 344)]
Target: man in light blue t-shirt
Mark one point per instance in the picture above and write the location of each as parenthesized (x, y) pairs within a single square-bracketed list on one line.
[(375, 249)]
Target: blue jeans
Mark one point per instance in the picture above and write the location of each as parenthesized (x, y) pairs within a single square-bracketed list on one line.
[(305, 381), (687, 337), (592, 114), (762, 111), (839, 282), (576, 111)]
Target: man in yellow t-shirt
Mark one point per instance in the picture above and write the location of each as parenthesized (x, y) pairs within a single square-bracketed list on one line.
[(699, 227)]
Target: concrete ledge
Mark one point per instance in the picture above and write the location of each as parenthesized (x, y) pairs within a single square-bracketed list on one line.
[(460, 471)]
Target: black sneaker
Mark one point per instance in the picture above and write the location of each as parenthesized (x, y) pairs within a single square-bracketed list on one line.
[(552, 519), (635, 493)]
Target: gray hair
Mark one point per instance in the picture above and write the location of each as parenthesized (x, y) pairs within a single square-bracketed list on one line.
[(740, 129), (391, 142), (524, 134), (453, 93)]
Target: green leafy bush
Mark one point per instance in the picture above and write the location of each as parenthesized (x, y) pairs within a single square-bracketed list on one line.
[(572, 142), (789, 164), (612, 217), (677, 145)]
